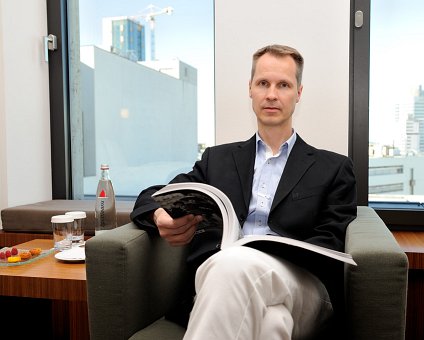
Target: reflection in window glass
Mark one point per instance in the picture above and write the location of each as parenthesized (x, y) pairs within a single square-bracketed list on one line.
[(142, 90), (396, 148)]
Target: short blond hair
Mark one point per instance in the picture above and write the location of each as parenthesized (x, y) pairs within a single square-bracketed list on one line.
[(280, 51)]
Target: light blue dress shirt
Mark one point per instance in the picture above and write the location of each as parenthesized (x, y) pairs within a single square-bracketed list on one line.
[(267, 174)]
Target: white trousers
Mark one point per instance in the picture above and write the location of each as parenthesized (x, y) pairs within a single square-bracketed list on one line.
[(243, 293)]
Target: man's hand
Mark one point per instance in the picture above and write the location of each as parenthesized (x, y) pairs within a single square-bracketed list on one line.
[(178, 231)]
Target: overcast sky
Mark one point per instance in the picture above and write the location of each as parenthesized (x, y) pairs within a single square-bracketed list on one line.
[(397, 61)]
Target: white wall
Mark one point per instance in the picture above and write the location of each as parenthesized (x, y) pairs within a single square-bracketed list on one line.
[(319, 30), (3, 160), (25, 167)]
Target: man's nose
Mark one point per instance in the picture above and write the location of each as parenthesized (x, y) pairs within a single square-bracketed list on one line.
[(272, 92)]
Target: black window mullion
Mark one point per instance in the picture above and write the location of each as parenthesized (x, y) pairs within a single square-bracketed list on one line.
[(359, 96), (59, 101)]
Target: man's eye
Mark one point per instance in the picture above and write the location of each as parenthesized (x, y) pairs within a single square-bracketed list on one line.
[(263, 83), (284, 85)]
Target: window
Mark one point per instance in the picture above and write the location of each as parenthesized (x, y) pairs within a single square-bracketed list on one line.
[(396, 94), (386, 188), (141, 91), (385, 170), (387, 107)]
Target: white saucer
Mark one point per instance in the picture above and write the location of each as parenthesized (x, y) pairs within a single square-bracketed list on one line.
[(72, 255)]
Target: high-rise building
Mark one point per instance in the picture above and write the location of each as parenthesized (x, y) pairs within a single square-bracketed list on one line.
[(419, 116), (124, 36), (409, 117), (415, 124)]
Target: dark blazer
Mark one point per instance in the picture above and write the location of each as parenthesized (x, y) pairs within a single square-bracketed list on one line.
[(314, 202)]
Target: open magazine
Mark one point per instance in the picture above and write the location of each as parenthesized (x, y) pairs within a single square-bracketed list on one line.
[(180, 199)]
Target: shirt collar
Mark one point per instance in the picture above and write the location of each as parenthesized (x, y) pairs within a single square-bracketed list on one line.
[(289, 142)]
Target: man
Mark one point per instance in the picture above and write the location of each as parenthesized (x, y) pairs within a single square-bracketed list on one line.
[(278, 185)]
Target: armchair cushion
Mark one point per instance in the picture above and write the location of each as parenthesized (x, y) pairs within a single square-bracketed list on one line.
[(162, 330)]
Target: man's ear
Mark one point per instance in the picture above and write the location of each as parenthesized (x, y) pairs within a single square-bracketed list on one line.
[(299, 93), (250, 88)]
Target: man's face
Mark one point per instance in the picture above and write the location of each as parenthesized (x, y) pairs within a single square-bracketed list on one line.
[(274, 91)]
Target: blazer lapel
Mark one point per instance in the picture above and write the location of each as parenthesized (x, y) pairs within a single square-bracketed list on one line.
[(301, 158), (244, 157)]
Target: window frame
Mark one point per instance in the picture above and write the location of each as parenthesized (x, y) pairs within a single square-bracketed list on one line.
[(397, 216)]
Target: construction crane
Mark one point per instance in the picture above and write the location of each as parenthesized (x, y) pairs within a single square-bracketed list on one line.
[(149, 15)]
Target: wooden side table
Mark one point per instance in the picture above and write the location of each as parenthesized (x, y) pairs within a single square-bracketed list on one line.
[(64, 284), (413, 244)]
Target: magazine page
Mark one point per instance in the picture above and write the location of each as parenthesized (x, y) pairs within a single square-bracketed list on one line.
[(180, 199), (231, 231), (296, 243)]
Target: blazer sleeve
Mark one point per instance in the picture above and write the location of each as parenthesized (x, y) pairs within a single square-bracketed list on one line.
[(145, 205), (338, 209)]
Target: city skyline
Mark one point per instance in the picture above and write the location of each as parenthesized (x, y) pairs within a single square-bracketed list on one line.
[(408, 134), (396, 67)]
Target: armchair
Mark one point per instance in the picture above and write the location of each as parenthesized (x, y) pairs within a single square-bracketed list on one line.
[(133, 278)]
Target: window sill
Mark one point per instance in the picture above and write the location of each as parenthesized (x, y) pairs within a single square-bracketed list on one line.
[(400, 216)]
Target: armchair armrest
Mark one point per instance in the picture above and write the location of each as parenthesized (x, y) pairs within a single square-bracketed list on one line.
[(132, 280), (375, 289)]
